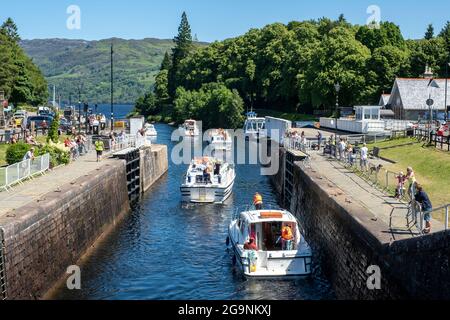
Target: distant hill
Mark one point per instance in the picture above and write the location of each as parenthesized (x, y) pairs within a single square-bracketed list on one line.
[(65, 62)]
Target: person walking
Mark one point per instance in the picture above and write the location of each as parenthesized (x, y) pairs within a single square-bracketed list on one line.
[(422, 198), (99, 147)]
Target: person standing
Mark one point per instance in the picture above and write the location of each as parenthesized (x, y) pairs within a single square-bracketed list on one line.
[(258, 201), (364, 157), (422, 198), (411, 177), (99, 147), (29, 155), (319, 140)]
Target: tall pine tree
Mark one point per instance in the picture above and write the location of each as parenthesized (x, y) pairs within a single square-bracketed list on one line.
[(166, 63), (445, 34), (9, 28), (430, 32), (183, 45)]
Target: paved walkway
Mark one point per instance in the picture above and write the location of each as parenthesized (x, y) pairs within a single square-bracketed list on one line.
[(32, 190), (383, 207)]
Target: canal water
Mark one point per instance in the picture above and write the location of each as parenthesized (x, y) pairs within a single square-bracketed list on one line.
[(168, 250)]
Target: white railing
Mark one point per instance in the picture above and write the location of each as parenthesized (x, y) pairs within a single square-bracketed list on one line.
[(129, 141), (27, 169)]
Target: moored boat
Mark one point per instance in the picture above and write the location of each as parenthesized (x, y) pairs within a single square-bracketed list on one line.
[(268, 244), (254, 127), (208, 180), (150, 130), (189, 129), (220, 140)]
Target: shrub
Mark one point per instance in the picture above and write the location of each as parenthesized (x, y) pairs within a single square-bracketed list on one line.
[(16, 152), (167, 119), (59, 155)]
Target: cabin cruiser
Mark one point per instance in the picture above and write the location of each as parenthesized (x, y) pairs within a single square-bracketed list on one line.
[(189, 129), (254, 127), (208, 180), (220, 140), (258, 238), (150, 130)]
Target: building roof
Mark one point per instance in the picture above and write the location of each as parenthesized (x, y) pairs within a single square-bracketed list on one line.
[(384, 100), (387, 113), (414, 93)]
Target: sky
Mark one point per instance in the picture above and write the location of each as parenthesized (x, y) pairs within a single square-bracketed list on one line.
[(210, 19)]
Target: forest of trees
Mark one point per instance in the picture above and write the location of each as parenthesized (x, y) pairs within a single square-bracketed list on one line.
[(20, 79), (294, 67)]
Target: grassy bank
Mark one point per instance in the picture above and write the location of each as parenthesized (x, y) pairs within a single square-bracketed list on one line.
[(432, 167)]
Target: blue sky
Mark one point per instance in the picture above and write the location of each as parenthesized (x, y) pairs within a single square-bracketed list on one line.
[(210, 19)]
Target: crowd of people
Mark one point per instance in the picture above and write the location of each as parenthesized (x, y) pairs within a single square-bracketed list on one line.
[(77, 144)]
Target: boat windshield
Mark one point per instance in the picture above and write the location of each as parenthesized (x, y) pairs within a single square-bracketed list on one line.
[(255, 125)]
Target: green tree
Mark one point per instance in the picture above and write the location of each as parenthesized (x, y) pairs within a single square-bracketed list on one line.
[(166, 63), (9, 28), (215, 104), (429, 34), (183, 45), (161, 87), (146, 105), (445, 34), (387, 34), (53, 130)]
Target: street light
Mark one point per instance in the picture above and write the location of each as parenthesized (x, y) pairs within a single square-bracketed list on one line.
[(432, 84), (79, 87), (446, 88), (337, 87)]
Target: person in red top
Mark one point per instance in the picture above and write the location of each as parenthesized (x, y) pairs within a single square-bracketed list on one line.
[(251, 245)]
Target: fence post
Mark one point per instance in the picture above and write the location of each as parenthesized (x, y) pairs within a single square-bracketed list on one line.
[(446, 217), (387, 180)]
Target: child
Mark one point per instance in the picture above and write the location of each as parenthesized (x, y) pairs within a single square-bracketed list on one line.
[(401, 178)]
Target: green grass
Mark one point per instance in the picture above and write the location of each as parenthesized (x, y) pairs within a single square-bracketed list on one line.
[(431, 166), (285, 115)]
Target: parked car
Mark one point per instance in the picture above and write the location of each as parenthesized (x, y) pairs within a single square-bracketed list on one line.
[(19, 117), (38, 122), (65, 126)]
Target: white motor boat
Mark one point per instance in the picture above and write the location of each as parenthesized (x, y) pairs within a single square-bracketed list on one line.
[(189, 129), (150, 130), (273, 257), (220, 140), (254, 127), (208, 180)]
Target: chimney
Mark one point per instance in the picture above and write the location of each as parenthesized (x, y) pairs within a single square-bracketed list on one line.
[(428, 73)]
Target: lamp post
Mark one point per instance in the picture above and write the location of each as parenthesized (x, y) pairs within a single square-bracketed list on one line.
[(432, 84), (337, 87), (446, 89), (112, 89), (80, 86)]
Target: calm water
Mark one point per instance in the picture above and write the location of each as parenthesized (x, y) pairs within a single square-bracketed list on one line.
[(120, 110), (166, 250)]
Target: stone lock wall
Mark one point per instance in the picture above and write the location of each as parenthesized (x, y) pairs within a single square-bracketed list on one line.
[(44, 238), (154, 163), (347, 240)]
